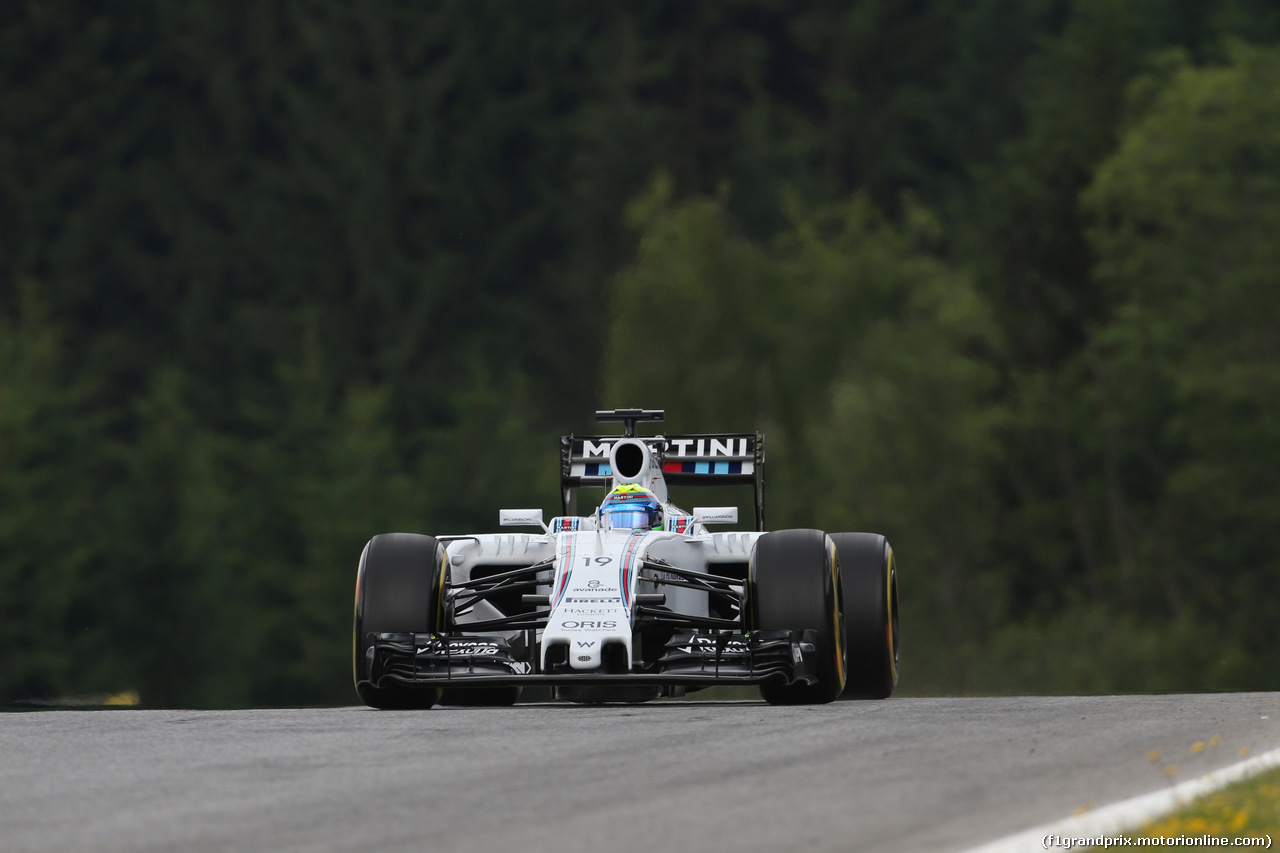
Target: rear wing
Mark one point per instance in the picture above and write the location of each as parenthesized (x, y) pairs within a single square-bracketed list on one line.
[(690, 460)]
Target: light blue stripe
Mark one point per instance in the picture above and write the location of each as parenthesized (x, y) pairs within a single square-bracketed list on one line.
[(702, 468), (722, 467)]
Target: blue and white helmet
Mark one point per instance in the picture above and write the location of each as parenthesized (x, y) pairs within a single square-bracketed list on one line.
[(630, 507)]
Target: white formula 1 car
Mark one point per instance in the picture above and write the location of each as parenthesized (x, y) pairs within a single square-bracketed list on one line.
[(636, 600)]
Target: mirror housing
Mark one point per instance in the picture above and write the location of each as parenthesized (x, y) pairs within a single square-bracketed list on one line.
[(521, 518), (715, 515)]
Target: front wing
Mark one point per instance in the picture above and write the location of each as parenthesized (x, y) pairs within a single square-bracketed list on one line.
[(688, 660)]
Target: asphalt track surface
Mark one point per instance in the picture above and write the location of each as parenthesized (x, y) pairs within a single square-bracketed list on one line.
[(899, 775)]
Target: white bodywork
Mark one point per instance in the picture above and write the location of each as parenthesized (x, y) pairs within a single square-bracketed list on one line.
[(596, 580), (592, 593)]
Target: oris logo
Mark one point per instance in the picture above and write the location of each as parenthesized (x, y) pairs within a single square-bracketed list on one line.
[(590, 624)]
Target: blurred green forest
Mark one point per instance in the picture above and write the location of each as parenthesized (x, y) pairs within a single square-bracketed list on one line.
[(997, 278)]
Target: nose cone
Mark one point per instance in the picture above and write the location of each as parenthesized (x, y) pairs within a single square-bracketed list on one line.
[(587, 634), (585, 655)]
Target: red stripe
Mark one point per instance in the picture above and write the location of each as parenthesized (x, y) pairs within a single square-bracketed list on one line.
[(568, 569), (627, 560)]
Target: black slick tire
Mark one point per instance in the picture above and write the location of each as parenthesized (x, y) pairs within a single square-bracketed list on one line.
[(870, 581), (398, 590), (793, 584)]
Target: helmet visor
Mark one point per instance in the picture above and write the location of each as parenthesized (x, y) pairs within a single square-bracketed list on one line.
[(629, 517)]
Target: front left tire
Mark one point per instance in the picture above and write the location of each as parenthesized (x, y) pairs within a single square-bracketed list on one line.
[(870, 579), (793, 584)]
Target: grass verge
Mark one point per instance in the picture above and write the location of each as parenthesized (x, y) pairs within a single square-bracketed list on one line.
[(1248, 808)]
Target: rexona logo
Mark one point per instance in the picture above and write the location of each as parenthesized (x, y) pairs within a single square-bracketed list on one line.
[(462, 647), (711, 641), (702, 645)]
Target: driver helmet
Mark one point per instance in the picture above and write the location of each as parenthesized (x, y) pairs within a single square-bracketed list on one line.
[(630, 507)]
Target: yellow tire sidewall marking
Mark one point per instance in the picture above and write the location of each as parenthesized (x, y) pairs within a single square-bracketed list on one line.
[(888, 609), (841, 664)]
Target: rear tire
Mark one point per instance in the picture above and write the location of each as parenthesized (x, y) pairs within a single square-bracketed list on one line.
[(398, 589), (871, 613), (793, 584)]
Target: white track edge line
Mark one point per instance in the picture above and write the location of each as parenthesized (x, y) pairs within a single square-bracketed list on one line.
[(1128, 815)]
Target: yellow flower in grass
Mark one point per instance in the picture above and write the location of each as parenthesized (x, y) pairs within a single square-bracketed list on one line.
[(1250, 808)]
